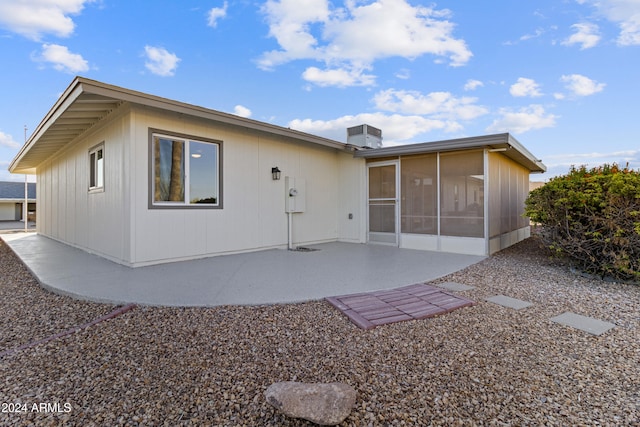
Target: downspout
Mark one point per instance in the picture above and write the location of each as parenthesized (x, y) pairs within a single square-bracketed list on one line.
[(26, 192), (290, 231), (439, 184)]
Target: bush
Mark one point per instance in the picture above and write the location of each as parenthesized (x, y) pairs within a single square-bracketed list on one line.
[(593, 217)]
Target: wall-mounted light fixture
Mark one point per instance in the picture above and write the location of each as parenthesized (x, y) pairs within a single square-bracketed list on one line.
[(275, 173)]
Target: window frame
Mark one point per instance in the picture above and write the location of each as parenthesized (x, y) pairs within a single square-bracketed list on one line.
[(96, 173), (186, 138)]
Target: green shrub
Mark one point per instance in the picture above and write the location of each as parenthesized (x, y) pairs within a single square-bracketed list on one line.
[(593, 217)]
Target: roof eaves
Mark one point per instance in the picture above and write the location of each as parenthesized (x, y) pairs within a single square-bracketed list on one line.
[(495, 141), (135, 97), (81, 85), (73, 91)]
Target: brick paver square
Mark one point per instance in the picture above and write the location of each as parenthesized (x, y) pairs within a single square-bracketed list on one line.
[(419, 301)]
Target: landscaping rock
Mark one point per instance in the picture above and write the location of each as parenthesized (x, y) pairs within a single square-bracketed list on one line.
[(324, 404), (183, 366)]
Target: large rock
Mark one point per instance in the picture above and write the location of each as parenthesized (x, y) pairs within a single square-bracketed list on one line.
[(324, 404)]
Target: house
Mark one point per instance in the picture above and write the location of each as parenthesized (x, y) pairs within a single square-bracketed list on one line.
[(143, 180), (12, 200)]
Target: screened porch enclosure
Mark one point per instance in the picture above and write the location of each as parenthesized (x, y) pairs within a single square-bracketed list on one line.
[(470, 201), (449, 203)]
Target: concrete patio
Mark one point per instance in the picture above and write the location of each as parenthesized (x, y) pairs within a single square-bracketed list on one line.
[(15, 226), (265, 277)]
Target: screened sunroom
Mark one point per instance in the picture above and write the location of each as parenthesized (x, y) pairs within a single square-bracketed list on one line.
[(463, 195)]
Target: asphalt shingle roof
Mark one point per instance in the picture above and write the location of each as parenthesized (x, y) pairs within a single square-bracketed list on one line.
[(15, 190)]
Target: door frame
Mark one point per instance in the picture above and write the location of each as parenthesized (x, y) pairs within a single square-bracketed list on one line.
[(394, 240)]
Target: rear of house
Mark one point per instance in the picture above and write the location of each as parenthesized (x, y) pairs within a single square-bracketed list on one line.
[(142, 180), (103, 161)]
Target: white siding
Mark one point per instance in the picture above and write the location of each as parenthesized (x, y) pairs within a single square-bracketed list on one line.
[(352, 199), (68, 212), (118, 224), (507, 190), (253, 215)]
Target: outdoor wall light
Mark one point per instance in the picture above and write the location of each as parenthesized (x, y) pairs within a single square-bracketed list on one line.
[(275, 173)]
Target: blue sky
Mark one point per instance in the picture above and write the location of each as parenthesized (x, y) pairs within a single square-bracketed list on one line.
[(561, 75)]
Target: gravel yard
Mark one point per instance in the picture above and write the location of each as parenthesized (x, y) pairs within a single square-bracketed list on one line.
[(480, 365)]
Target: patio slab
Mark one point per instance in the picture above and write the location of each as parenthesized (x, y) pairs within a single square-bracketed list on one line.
[(419, 301), (264, 277), (455, 287), (584, 323), (506, 301)]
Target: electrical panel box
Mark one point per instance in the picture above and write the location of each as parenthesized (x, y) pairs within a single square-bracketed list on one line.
[(295, 194)]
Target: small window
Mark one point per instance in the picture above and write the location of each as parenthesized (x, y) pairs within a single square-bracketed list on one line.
[(96, 168), (185, 172)]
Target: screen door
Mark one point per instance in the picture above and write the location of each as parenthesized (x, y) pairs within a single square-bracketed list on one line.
[(383, 203)]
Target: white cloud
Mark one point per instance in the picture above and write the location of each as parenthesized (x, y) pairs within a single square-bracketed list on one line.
[(537, 33), (560, 163), (217, 13), (472, 84), (626, 155), (62, 59), (8, 141), (403, 74), (586, 36), (630, 32), (160, 61), (521, 121), (396, 128), (34, 18), (289, 23), (441, 105), (338, 77), (525, 87), (241, 111), (581, 86), (404, 115), (625, 13), (352, 38)]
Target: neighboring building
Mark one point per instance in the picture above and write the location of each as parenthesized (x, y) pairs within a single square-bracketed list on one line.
[(535, 184), (12, 200), (142, 180)]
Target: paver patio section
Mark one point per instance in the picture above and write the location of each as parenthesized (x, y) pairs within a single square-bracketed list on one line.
[(419, 301), (584, 323), (263, 277)]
